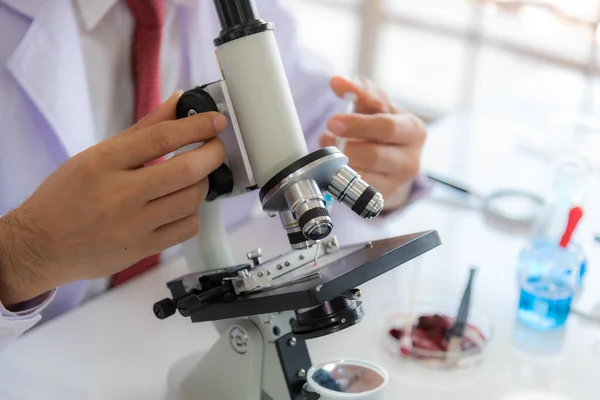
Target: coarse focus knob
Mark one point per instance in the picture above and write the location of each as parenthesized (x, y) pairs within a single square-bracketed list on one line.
[(197, 101), (220, 182)]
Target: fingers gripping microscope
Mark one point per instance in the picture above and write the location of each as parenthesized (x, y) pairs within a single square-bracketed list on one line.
[(264, 311)]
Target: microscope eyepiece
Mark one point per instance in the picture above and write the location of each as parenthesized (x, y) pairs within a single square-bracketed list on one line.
[(232, 13), (238, 19), (348, 188)]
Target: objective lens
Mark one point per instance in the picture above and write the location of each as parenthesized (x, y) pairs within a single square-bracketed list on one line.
[(347, 187), (295, 236), (307, 205)]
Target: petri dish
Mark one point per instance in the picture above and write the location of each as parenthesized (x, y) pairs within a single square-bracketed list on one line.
[(472, 351), (427, 367)]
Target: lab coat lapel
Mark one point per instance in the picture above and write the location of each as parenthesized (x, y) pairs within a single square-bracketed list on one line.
[(48, 64), (28, 8)]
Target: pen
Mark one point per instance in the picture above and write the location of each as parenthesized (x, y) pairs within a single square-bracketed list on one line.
[(452, 185)]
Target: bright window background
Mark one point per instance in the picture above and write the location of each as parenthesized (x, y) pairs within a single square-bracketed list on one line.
[(434, 56), (331, 30)]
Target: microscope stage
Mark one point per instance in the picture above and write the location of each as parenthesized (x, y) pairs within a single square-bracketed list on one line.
[(340, 276)]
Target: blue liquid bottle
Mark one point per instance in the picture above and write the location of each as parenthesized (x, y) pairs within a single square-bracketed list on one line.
[(548, 278)]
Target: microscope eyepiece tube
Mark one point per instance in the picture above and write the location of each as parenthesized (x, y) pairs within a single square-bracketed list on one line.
[(262, 99)]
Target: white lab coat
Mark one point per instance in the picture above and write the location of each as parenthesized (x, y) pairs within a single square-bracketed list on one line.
[(45, 112)]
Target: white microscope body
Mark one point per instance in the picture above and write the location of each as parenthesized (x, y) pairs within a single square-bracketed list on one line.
[(265, 310)]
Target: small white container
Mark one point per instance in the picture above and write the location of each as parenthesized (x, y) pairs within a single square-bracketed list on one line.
[(354, 379)]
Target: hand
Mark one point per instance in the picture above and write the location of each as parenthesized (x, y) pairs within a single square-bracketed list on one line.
[(102, 211), (384, 144)]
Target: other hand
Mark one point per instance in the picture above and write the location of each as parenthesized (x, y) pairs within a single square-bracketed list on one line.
[(384, 144), (102, 210)]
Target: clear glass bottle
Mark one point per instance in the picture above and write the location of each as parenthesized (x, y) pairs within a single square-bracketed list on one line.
[(571, 181), (570, 185)]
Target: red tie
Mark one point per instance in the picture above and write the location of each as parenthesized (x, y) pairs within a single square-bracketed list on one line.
[(149, 18)]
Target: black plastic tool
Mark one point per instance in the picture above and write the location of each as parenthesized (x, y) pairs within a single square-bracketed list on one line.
[(460, 324)]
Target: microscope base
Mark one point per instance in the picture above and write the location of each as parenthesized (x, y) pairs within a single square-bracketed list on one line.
[(222, 372), (178, 373), (248, 362)]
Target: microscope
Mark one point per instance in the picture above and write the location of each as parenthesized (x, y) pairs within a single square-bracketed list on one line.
[(265, 310)]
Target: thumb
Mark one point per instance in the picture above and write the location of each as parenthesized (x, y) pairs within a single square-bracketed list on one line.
[(370, 98), (165, 112)]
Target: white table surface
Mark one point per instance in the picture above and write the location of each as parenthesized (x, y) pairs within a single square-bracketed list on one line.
[(114, 348)]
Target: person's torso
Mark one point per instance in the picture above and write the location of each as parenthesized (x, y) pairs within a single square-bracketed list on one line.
[(67, 81)]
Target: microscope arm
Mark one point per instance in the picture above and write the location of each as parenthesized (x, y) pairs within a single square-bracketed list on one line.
[(211, 247)]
